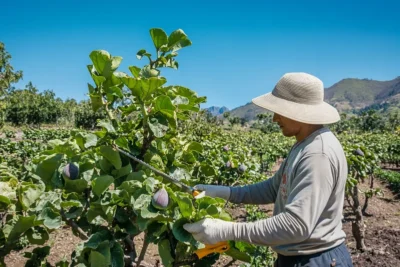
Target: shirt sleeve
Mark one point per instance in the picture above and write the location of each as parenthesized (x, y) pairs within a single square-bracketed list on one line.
[(310, 191), (264, 192)]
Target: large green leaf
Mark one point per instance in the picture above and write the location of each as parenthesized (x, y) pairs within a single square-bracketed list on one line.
[(98, 79), (107, 125), (164, 249), (90, 140), (185, 206), (37, 235), (117, 255), (46, 168), (159, 37), (123, 171), (97, 238), (97, 259), (164, 105), (207, 170), (134, 70), (4, 202), (77, 186), (130, 186), (51, 219), (7, 193), (159, 126), (104, 63), (180, 101), (143, 201), (22, 225), (177, 40), (147, 87), (96, 101), (101, 60), (112, 156), (132, 83), (193, 146), (28, 193), (101, 183), (180, 233)]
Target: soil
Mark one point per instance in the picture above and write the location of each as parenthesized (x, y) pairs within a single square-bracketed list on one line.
[(382, 236)]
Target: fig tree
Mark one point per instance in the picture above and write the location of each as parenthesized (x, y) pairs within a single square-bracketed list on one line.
[(71, 171), (160, 200)]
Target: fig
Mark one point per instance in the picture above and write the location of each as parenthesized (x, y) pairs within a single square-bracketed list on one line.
[(160, 200), (226, 148), (358, 152), (228, 164), (242, 168), (71, 171)]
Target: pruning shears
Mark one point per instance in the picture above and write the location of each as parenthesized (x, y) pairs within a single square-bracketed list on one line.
[(220, 247), (183, 186)]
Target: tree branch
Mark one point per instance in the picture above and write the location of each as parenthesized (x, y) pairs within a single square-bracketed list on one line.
[(71, 223)]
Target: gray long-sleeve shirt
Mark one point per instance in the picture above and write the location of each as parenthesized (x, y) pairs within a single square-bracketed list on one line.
[(308, 192)]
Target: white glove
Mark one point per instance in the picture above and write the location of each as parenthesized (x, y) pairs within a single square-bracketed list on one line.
[(214, 191), (211, 231)]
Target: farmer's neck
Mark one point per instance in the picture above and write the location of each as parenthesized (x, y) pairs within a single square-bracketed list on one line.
[(305, 130)]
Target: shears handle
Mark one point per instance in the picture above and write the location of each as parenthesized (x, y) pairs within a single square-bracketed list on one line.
[(220, 247), (195, 193)]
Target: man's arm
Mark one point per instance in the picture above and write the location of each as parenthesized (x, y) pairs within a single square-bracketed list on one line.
[(311, 189), (264, 192)]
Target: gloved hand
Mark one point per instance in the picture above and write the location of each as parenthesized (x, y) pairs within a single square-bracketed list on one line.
[(211, 231), (214, 190)]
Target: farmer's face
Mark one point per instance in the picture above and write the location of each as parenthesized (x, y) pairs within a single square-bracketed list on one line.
[(288, 127)]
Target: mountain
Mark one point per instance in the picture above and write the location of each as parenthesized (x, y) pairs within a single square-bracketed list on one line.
[(215, 111), (350, 94), (346, 95), (248, 111)]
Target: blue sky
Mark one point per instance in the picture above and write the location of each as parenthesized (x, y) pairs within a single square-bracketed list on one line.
[(240, 48)]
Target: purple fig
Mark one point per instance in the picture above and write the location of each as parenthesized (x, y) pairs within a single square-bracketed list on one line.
[(71, 171), (242, 168), (228, 164), (160, 199), (226, 148), (358, 152)]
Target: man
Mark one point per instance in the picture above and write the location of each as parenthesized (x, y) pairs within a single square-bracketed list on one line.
[(308, 189)]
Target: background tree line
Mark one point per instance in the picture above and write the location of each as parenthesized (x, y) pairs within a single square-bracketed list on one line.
[(30, 107)]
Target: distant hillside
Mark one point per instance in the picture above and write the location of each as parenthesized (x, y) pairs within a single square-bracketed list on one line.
[(351, 94), (346, 95), (248, 111), (217, 110)]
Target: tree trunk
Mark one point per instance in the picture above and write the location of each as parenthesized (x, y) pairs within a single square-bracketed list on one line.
[(371, 186), (358, 225)]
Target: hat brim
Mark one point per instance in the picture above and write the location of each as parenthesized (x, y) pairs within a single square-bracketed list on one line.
[(311, 114)]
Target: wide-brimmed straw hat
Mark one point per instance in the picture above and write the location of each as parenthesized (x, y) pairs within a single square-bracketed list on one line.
[(299, 96)]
